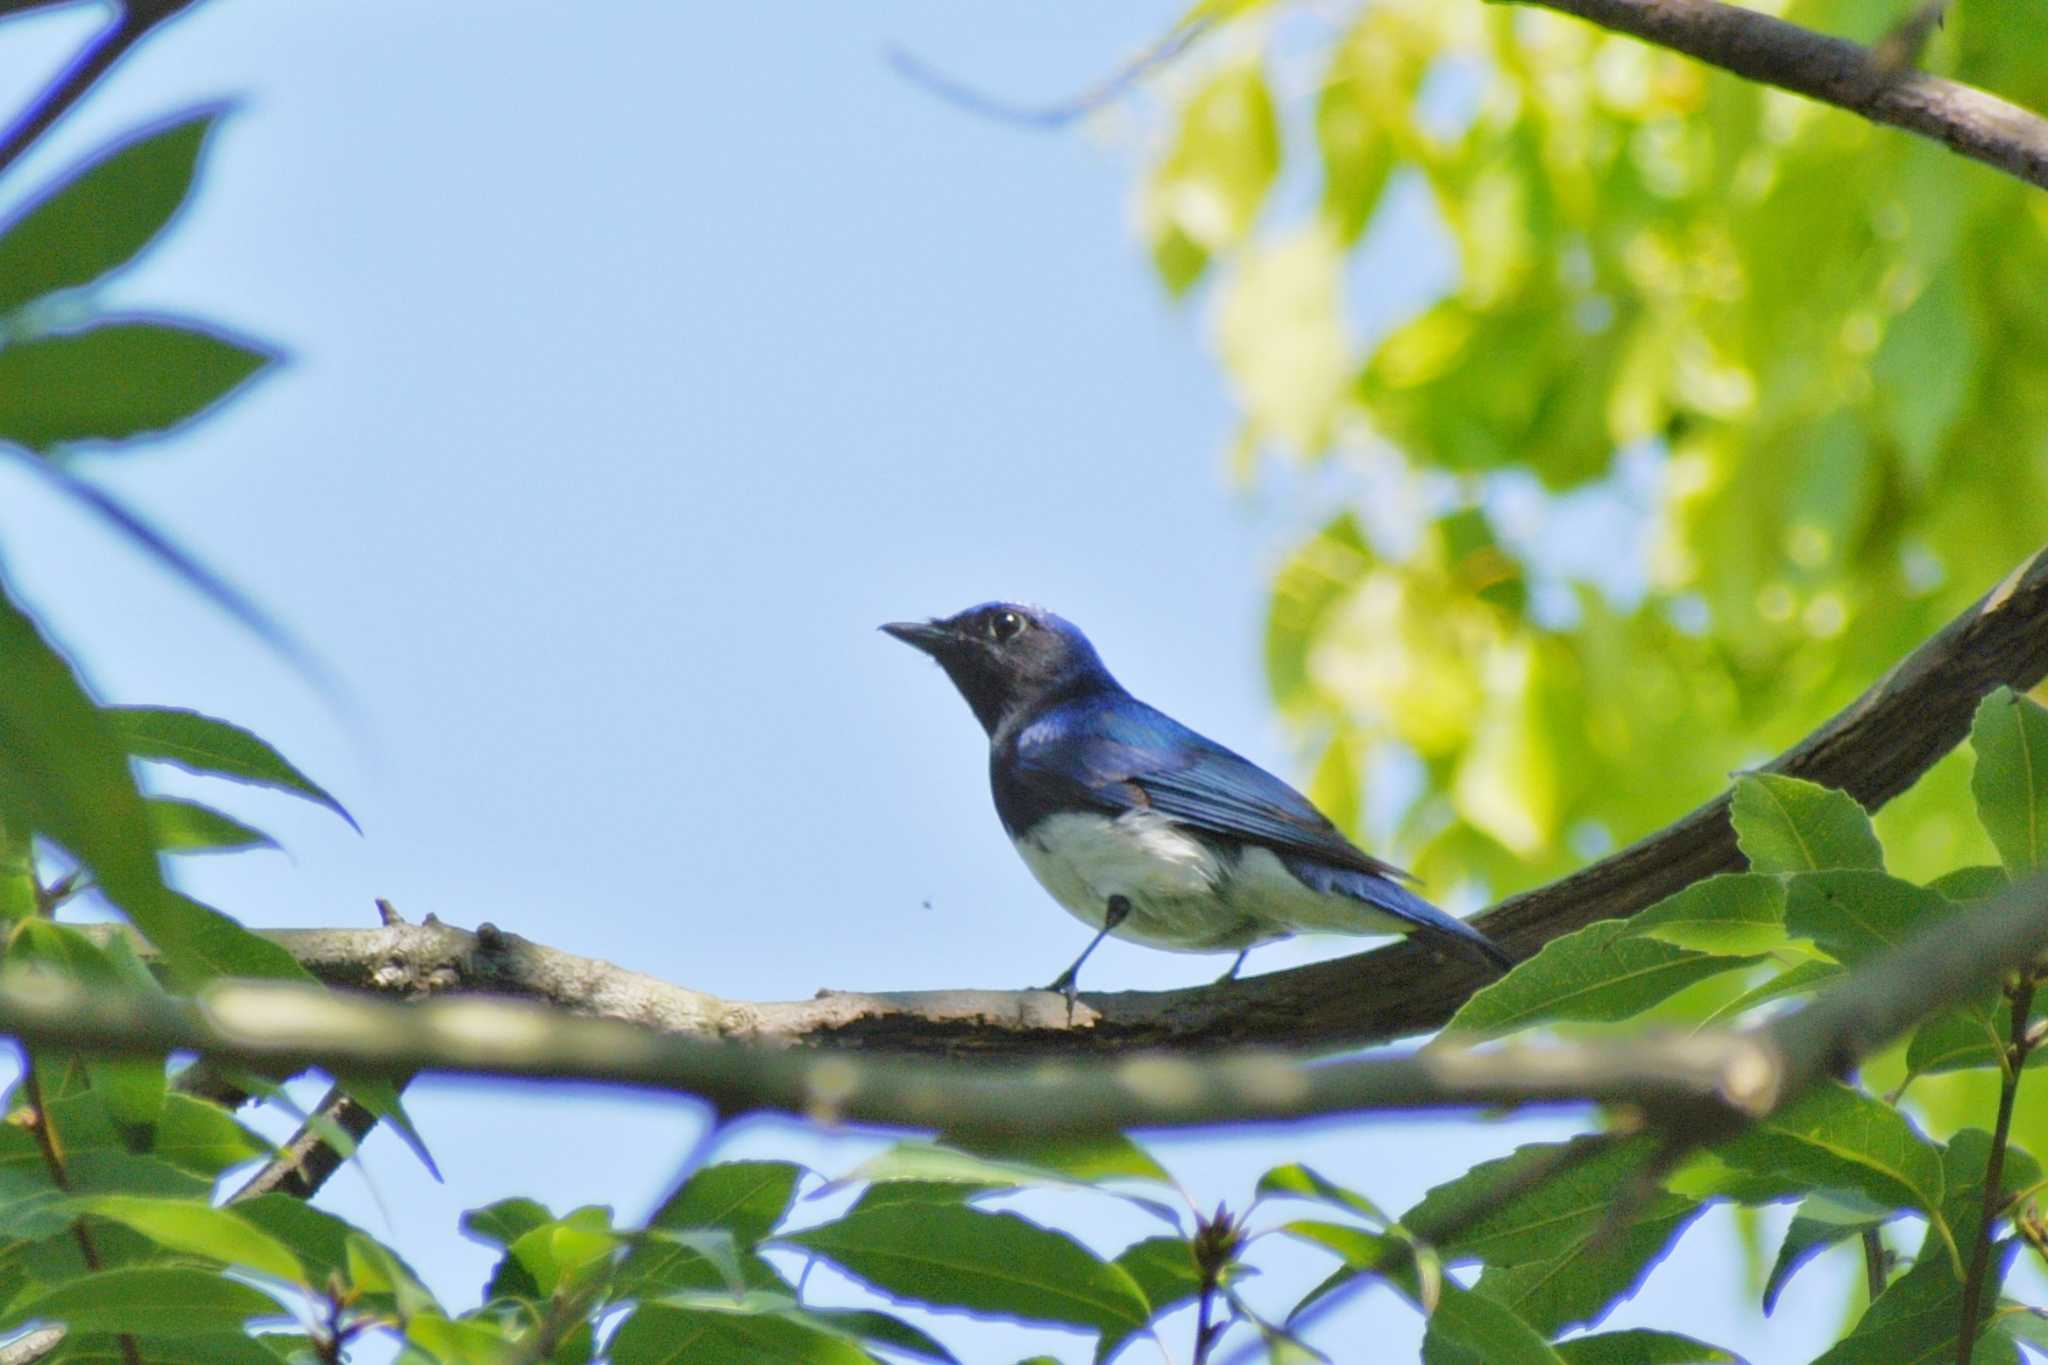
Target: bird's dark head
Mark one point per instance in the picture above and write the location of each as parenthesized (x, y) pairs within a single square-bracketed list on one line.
[(1004, 656)]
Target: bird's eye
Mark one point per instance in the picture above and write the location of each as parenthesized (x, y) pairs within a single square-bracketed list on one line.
[(1005, 625)]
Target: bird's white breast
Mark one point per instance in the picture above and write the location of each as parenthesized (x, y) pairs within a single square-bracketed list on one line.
[(1084, 859)]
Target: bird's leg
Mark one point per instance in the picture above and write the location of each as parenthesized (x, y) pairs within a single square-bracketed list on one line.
[(1236, 964), (1118, 911)]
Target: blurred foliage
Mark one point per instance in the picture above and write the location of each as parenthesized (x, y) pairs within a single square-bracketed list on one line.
[(1820, 341), (1816, 344)]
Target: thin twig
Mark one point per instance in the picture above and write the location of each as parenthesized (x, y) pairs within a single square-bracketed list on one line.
[(1873, 1263), (2022, 997), (99, 54), (50, 1145)]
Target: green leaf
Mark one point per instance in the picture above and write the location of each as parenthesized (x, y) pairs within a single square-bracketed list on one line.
[(1823, 1220), (1298, 1181), (199, 1136), (318, 1238), (1971, 1034), (1641, 1346), (1855, 915), (211, 1348), (559, 1256), (202, 744), (382, 1276), (62, 769), (1471, 1329), (1552, 1249), (1206, 191), (1164, 1270), (657, 1334), (2010, 784), (1089, 1159), (919, 1192), (471, 1341), (932, 1163), (993, 1263), (1785, 824), (1799, 979), (747, 1199), (1736, 913), (1970, 883), (1916, 1320), (881, 1329), (1583, 1284), (504, 1222), (380, 1095), (102, 211), (197, 1229), (188, 827), (1601, 973), (1835, 1137), (112, 381), (157, 1300), (1414, 1270)]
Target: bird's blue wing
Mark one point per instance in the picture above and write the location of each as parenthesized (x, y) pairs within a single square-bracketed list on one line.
[(1119, 754)]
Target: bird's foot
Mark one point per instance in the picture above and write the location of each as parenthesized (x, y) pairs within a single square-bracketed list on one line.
[(1236, 964), (1064, 985)]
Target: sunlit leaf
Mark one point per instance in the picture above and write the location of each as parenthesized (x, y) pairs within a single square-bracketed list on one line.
[(2010, 736), (1603, 972), (1207, 190), (182, 826), (1785, 824), (191, 1226), (1734, 913), (158, 1300), (994, 1263)]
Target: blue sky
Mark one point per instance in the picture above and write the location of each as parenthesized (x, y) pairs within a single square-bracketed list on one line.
[(643, 359)]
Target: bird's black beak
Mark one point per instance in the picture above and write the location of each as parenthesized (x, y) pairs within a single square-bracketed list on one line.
[(929, 636)]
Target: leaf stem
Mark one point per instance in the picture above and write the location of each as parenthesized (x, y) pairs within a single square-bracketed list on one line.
[(2022, 997), (1873, 1262)]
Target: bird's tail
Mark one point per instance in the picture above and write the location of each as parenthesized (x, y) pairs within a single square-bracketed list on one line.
[(1397, 902)]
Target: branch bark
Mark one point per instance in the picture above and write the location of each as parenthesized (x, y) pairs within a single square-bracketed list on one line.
[(1834, 71), (1874, 749), (1693, 1089)]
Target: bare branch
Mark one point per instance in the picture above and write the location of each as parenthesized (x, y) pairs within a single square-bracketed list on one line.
[(1693, 1088), (1834, 71), (305, 1162)]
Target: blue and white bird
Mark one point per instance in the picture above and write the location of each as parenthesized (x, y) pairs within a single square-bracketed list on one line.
[(1144, 829)]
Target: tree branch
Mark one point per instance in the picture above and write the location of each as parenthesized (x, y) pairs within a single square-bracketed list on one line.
[(1834, 71), (1875, 748), (305, 1162), (1694, 1089)]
